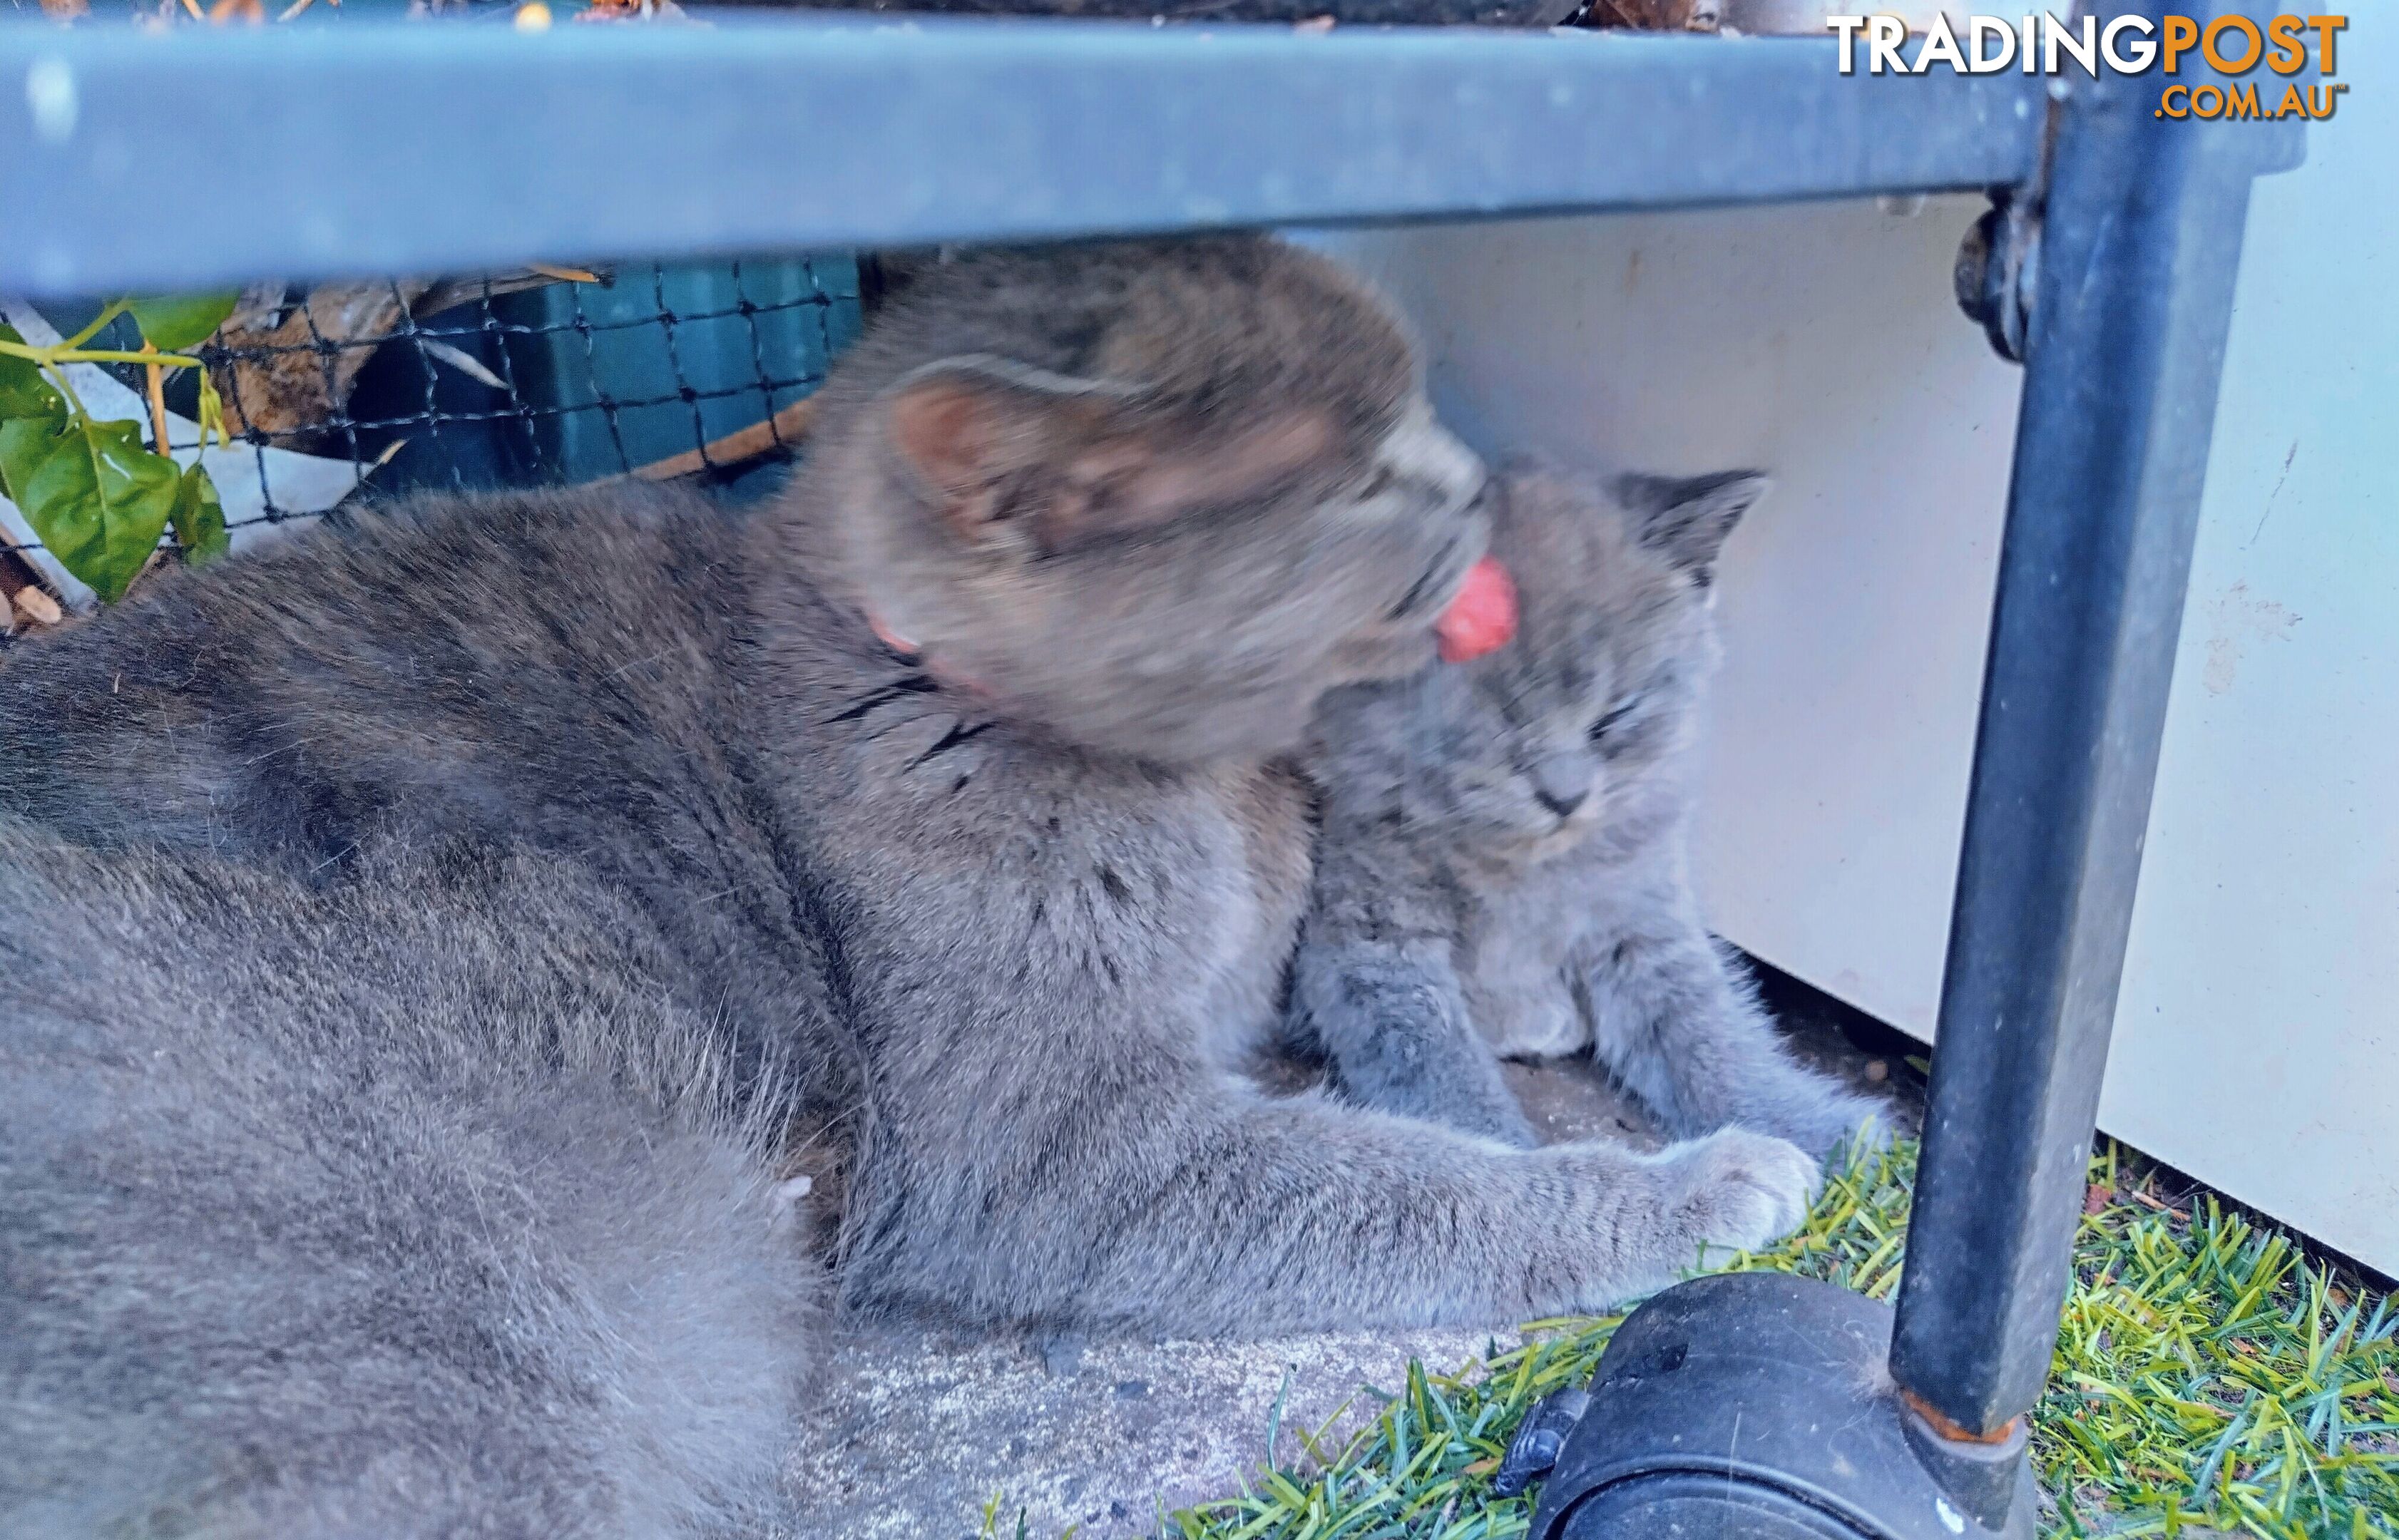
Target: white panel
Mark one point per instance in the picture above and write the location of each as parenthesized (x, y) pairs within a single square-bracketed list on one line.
[(2258, 1043)]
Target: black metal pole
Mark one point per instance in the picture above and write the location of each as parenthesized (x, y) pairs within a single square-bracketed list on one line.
[(2140, 235)]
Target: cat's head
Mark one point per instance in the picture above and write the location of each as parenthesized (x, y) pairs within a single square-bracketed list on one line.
[(1578, 727), (1151, 498)]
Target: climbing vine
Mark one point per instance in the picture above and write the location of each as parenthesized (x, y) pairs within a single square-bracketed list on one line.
[(98, 498)]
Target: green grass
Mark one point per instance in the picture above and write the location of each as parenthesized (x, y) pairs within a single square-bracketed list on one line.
[(2208, 1377)]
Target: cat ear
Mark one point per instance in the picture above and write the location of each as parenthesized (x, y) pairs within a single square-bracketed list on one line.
[(973, 429), (1004, 450), (1688, 519)]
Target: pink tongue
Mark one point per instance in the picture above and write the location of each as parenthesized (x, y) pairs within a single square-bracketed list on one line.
[(1483, 617)]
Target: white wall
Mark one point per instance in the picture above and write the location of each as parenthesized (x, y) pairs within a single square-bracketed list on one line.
[(2258, 1042), (2259, 1034)]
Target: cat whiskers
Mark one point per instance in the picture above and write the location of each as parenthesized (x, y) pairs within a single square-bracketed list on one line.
[(917, 684), (958, 732)]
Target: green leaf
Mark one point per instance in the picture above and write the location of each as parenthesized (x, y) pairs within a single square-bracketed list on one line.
[(23, 392), (173, 323), (198, 518), (25, 443), (98, 499)]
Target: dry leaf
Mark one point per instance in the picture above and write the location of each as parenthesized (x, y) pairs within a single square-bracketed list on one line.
[(633, 10), (317, 350), (449, 293), (1659, 15), (295, 363), (35, 607), (462, 361)]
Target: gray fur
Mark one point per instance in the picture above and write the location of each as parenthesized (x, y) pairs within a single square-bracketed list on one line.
[(1503, 865), (994, 920), (360, 1212)]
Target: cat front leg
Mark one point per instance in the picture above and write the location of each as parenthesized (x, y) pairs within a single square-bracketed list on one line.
[(1250, 1216), (1309, 1215), (1375, 987), (1392, 1018), (1049, 1145), (1682, 1028)]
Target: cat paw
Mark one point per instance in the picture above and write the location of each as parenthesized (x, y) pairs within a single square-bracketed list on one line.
[(1742, 1191)]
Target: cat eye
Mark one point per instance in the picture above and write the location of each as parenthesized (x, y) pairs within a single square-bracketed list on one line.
[(1614, 719), (1376, 484), (1414, 599)]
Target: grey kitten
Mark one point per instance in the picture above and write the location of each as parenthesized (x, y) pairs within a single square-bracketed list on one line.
[(945, 790), (1502, 867)]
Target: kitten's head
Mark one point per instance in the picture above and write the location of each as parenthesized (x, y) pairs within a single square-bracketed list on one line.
[(1151, 498), (1578, 727)]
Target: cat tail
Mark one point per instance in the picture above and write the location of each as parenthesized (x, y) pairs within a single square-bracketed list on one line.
[(349, 1216)]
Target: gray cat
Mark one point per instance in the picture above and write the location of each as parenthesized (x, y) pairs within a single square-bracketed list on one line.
[(931, 815), (359, 1211), (1502, 866)]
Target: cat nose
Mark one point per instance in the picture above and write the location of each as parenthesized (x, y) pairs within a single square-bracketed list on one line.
[(1562, 782), (1562, 803)]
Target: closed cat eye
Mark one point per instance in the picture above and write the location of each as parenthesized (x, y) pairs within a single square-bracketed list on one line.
[(1615, 718)]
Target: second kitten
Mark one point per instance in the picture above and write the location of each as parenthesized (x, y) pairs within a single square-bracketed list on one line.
[(1502, 864)]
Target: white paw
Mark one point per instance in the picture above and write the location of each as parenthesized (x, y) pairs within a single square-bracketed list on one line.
[(1745, 1191)]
